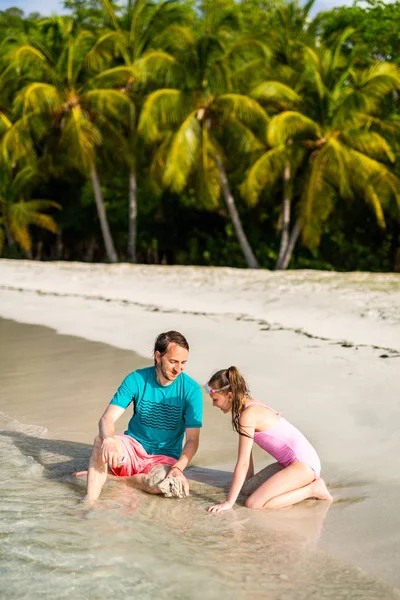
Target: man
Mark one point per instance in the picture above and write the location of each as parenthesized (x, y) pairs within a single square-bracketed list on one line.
[(167, 407)]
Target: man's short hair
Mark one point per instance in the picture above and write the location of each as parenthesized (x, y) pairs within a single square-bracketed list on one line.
[(169, 337)]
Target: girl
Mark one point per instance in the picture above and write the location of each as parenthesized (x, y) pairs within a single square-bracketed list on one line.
[(299, 477)]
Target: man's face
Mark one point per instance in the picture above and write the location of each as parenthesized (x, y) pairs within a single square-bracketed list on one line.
[(173, 362)]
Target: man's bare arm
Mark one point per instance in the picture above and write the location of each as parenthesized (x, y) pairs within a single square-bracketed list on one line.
[(106, 423), (190, 447), (188, 451), (110, 449)]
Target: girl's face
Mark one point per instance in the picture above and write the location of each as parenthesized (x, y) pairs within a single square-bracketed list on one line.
[(222, 401)]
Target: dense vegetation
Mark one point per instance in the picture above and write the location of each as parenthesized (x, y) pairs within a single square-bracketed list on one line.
[(211, 133)]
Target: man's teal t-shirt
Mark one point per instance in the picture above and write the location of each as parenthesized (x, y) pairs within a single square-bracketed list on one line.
[(160, 413)]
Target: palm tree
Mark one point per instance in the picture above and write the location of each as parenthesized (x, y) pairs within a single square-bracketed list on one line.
[(64, 112), (17, 211), (336, 145), (188, 121), (138, 29)]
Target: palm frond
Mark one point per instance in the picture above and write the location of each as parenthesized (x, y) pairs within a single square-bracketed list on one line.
[(290, 125), (37, 96), (208, 175), (175, 39), (161, 109), (17, 142), (183, 153), (26, 178), (367, 172), (240, 138), (18, 216), (316, 202), (26, 56), (365, 91), (157, 167), (250, 45), (264, 173), (373, 199), (378, 80), (111, 103), (276, 92), (5, 122), (103, 50), (368, 142), (80, 138), (23, 214), (241, 107), (115, 77), (336, 166), (117, 145), (21, 235), (111, 14), (158, 66), (338, 59)]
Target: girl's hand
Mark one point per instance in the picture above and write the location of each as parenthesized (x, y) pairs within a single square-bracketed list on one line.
[(220, 507)]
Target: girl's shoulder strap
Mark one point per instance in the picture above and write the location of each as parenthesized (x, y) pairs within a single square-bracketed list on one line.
[(261, 404)]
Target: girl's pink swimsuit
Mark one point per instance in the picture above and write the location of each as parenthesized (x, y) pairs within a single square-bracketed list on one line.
[(287, 444)]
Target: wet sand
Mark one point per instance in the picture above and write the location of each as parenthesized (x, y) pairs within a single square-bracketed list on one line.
[(343, 396)]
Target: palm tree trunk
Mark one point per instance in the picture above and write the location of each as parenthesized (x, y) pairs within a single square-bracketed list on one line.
[(292, 242), (285, 216), (9, 236), (101, 211), (132, 216), (234, 215)]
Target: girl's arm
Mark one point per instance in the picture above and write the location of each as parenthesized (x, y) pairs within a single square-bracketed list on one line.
[(241, 469), (250, 471)]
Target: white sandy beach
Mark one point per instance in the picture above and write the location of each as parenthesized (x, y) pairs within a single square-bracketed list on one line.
[(324, 348)]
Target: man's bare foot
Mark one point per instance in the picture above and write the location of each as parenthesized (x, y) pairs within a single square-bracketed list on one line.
[(172, 487), (320, 491), (156, 475), (158, 481)]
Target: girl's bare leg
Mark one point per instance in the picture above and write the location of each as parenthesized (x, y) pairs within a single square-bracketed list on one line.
[(290, 486), (252, 484)]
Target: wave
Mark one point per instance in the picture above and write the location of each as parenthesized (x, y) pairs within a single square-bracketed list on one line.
[(7, 423)]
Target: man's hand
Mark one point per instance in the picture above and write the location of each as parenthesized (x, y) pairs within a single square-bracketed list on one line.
[(109, 452), (220, 507), (175, 472)]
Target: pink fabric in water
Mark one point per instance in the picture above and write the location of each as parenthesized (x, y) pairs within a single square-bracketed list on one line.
[(137, 460)]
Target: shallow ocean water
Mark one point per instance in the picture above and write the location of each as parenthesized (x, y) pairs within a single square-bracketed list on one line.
[(132, 544)]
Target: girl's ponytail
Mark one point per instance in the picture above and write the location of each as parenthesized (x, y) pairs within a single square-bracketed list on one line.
[(238, 387), (240, 392)]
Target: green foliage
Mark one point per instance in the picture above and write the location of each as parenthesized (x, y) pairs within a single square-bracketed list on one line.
[(174, 92)]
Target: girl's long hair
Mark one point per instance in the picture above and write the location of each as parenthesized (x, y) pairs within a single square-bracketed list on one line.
[(238, 387)]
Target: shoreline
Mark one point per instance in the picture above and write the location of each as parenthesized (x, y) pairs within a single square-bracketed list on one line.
[(355, 308), (338, 390)]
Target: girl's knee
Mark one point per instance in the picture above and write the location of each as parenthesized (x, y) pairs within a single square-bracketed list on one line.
[(253, 503)]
